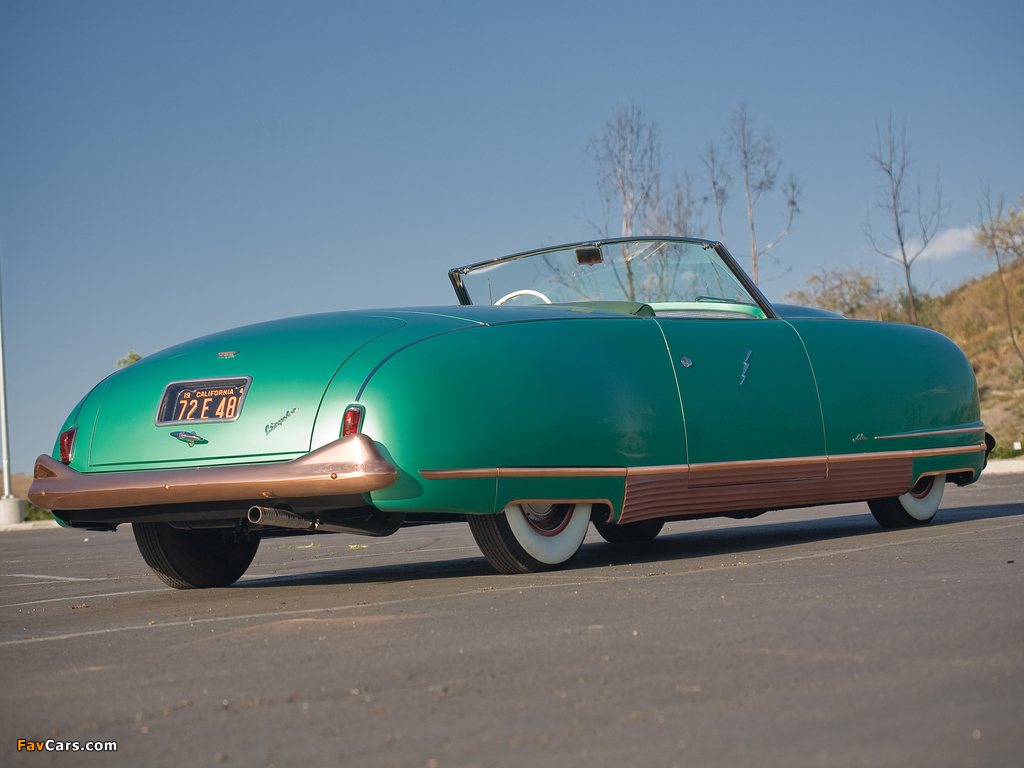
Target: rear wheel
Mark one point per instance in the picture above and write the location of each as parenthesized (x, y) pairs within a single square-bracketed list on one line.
[(528, 538), (195, 559), (630, 533), (915, 507)]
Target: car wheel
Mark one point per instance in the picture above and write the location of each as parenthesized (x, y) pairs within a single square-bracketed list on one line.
[(528, 538), (915, 507), (630, 533), (195, 559)]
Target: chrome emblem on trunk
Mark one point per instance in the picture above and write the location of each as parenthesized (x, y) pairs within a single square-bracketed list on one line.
[(271, 427), (188, 437)]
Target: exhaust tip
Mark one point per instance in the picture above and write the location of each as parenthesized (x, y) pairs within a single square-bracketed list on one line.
[(280, 518)]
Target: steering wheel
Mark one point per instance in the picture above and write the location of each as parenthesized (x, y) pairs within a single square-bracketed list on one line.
[(524, 292)]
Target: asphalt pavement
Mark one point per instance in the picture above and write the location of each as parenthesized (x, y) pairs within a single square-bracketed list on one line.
[(799, 638)]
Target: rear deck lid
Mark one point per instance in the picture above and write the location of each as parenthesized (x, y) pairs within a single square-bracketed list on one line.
[(246, 394)]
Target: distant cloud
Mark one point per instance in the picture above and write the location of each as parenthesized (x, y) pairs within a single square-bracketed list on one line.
[(946, 245)]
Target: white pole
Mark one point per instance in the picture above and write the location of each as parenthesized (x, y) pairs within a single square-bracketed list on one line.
[(11, 509)]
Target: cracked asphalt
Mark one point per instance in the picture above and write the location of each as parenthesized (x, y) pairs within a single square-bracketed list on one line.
[(799, 638)]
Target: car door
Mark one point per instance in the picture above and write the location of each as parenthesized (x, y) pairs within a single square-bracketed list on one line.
[(750, 404)]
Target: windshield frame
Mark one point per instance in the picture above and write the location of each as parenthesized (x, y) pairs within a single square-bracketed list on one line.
[(455, 275)]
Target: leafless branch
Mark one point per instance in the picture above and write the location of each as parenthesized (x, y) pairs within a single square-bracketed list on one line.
[(759, 164), (719, 177), (893, 159), (792, 191), (628, 159), (677, 213), (990, 235)]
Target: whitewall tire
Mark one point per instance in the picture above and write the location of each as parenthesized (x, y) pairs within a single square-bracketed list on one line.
[(527, 538), (915, 507)]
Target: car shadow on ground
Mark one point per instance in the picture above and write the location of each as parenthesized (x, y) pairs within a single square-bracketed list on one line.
[(678, 544)]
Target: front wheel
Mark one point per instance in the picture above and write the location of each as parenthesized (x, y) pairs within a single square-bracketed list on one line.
[(915, 507), (200, 559), (528, 538)]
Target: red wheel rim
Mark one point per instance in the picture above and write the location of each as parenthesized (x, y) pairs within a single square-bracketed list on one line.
[(923, 487), (549, 523)]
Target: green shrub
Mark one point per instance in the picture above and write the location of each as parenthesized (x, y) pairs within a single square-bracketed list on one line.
[(1005, 451), (32, 512)]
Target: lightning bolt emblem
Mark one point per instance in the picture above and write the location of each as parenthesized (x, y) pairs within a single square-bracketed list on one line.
[(743, 375)]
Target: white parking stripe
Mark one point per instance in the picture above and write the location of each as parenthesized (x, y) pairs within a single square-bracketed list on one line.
[(82, 597)]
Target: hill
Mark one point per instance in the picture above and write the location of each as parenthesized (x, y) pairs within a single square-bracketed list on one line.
[(974, 316)]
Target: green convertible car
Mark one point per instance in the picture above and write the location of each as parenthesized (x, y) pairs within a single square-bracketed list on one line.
[(622, 382)]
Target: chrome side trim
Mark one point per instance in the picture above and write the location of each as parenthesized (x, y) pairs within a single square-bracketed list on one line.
[(466, 474), (679, 490), (649, 498), (561, 471), (852, 477), (954, 471), (351, 465), (708, 473), (956, 431), (457, 474), (663, 469), (920, 453)]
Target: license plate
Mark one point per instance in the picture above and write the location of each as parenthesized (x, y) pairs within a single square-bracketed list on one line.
[(202, 400)]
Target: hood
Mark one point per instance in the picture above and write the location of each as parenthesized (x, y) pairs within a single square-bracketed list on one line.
[(284, 368)]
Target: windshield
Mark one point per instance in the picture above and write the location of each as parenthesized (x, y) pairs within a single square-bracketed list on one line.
[(649, 271)]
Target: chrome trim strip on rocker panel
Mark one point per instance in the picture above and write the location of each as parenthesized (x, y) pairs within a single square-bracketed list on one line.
[(797, 468), (852, 477), (665, 496), (465, 474), (693, 489)]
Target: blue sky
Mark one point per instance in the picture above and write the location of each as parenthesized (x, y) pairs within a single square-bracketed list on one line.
[(309, 156)]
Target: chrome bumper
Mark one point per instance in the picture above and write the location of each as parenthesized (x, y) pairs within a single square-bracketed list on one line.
[(351, 465)]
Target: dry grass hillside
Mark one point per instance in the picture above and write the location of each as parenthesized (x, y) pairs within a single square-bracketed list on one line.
[(974, 316)]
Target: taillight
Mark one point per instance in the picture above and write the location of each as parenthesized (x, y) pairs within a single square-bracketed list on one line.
[(352, 421), (67, 444)]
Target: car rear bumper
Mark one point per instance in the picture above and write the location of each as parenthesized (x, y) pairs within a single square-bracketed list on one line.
[(351, 465)]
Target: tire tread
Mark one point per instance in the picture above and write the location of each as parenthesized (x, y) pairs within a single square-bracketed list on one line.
[(178, 559), (496, 540)]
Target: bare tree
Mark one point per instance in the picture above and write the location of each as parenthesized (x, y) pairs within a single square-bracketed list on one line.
[(719, 177), (677, 212), (628, 159), (760, 166), (893, 159), (1001, 233)]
